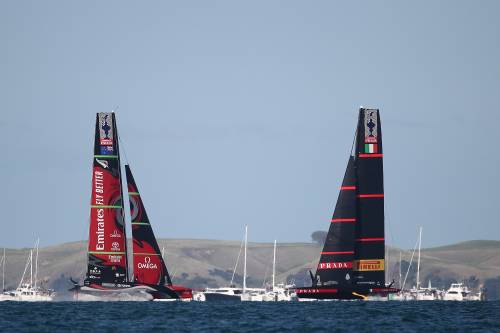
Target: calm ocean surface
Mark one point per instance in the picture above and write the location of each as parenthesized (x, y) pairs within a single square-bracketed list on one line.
[(251, 317)]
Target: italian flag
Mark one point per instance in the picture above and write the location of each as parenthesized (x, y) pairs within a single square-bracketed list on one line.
[(371, 148)]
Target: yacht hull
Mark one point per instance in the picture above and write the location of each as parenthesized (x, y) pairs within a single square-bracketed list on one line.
[(217, 297), (362, 293), (123, 292)]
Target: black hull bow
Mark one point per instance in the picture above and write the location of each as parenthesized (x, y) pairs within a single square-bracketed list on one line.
[(344, 293)]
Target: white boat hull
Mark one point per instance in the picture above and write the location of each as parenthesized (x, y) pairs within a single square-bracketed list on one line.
[(135, 293), (26, 298)]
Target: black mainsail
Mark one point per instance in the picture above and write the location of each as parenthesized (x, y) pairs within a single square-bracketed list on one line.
[(351, 265), (370, 245)]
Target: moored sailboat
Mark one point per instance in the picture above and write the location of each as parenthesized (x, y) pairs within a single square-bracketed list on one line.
[(352, 263), (107, 266), (2, 263), (28, 290), (231, 293), (278, 292)]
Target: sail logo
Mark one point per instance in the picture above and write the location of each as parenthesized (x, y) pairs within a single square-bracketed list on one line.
[(115, 258), (371, 148), (316, 291), (95, 271), (105, 129), (335, 265), (115, 246), (147, 264), (371, 126), (368, 265), (102, 163), (100, 230), (107, 150), (99, 187)]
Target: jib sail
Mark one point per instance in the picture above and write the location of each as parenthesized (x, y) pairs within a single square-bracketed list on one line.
[(107, 253), (149, 266), (336, 261), (368, 265)]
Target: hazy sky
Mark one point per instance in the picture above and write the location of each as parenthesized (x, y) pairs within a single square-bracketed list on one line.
[(235, 113)]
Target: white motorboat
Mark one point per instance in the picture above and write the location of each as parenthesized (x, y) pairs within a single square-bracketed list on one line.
[(28, 293), (460, 292)]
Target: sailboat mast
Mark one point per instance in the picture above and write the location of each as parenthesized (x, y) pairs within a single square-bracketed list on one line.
[(31, 268), (418, 262), (237, 261), (245, 261), (400, 254), (36, 261), (409, 266), (274, 263), (3, 270), (24, 272), (122, 210)]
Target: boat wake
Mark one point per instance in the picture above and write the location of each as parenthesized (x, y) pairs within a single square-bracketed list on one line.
[(139, 296)]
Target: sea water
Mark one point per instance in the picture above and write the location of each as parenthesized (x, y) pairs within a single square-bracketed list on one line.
[(348, 316)]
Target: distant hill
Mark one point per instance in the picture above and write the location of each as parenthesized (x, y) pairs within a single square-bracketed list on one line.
[(200, 263)]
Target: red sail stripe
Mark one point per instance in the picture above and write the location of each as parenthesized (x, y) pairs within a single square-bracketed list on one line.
[(369, 239), (339, 252), (348, 187), (343, 220), (370, 155), (370, 195)]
